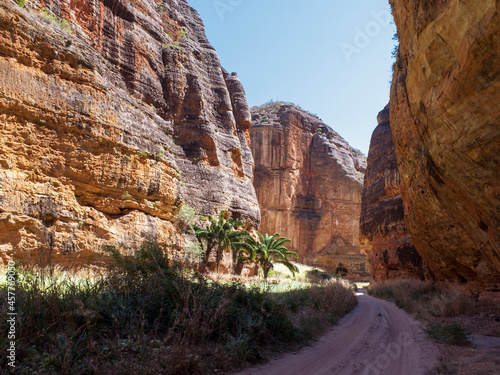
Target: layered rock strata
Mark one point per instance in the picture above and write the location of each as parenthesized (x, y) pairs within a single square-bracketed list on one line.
[(308, 182), (114, 114), (388, 243), (445, 116)]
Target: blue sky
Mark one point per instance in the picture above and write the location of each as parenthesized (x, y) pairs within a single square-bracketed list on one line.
[(333, 58)]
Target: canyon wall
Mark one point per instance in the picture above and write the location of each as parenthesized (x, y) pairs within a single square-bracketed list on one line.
[(386, 239), (445, 117), (308, 182), (114, 114)]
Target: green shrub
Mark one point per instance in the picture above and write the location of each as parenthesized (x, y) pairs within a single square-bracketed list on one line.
[(148, 316), (59, 22), (452, 334), (317, 276), (423, 299)]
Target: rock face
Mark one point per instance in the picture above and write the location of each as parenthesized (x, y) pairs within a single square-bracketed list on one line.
[(445, 116), (390, 249), (308, 182), (113, 114)]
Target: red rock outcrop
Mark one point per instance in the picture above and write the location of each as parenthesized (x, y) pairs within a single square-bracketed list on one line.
[(388, 243), (445, 117), (308, 182), (112, 115)]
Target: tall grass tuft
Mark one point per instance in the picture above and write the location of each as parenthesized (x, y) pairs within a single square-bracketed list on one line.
[(147, 316), (424, 299), (452, 334)]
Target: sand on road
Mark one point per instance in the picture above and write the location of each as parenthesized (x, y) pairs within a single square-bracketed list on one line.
[(376, 338)]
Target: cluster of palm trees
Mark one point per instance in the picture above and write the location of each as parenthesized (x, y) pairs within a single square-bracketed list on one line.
[(225, 234)]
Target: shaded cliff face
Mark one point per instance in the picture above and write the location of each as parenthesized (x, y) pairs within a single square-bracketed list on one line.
[(445, 114), (112, 115), (308, 182), (390, 249)]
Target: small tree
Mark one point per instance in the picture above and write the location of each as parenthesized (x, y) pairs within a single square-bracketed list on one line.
[(221, 235), (341, 270), (244, 250), (271, 250)]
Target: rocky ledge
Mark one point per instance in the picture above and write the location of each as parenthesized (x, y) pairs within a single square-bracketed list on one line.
[(114, 114)]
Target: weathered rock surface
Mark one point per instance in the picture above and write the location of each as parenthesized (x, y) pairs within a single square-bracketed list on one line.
[(308, 182), (388, 243), (112, 114), (445, 117)]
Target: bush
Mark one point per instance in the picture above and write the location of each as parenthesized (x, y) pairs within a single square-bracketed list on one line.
[(423, 299), (59, 22), (147, 316), (317, 276), (452, 334)]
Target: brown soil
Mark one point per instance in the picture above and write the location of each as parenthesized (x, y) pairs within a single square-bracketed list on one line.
[(375, 338)]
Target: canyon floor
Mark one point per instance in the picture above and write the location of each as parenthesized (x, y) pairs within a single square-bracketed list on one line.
[(375, 338)]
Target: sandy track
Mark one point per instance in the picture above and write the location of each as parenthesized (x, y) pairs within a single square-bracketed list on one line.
[(376, 338)]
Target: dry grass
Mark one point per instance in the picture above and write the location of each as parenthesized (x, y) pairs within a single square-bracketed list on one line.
[(424, 300), (457, 360), (146, 317), (450, 315)]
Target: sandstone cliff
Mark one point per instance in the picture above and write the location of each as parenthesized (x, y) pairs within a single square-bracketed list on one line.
[(113, 114), (308, 182), (445, 115), (390, 249)]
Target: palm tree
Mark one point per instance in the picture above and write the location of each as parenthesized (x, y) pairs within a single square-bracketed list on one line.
[(244, 249), (221, 235), (271, 250)]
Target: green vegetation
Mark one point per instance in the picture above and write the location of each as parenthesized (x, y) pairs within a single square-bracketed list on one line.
[(341, 270), (437, 307), (160, 7), (224, 235), (186, 217), (423, 299), (176, 39), (21, 3), (274, 106), (146, 316), (359, 152), (395, 50), (143, 154), (452, 334), (270, 250), (221, 235), (59, 22), (126, 195)]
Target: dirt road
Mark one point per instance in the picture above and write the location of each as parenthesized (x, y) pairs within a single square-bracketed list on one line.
[(376, 338)]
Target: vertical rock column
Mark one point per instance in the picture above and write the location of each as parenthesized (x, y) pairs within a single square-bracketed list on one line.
[(308, 182), (445, 118), (386, 239)]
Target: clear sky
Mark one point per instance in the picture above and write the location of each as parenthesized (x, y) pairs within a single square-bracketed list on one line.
[(333, 58)]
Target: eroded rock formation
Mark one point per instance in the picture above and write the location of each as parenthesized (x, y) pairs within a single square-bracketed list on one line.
[(113, 114), (390, 249), (308, 182), (445, 116)]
